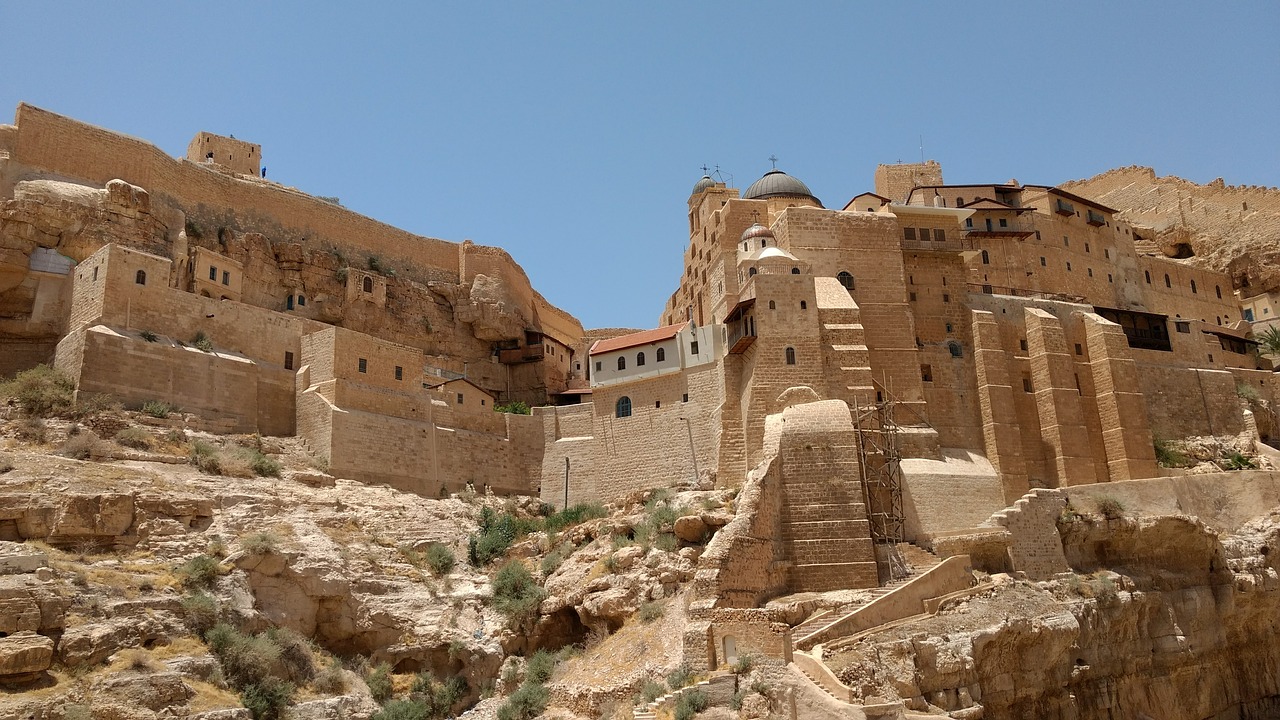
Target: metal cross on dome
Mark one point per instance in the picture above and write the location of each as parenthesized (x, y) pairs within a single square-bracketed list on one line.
[(774, 159), (706, 171)]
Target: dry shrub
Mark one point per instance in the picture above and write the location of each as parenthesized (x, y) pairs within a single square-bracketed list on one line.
[(136, 437), (79, 446)]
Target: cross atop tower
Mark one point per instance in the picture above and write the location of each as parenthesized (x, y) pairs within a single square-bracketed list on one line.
[(774, 159), (706, 170)]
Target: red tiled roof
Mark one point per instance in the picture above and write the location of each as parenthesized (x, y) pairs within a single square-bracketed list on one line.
[(646, 337)]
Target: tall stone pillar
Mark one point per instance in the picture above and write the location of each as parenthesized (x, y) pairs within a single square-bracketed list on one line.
[(1053, 378), (1000, 432), (1126, 430)]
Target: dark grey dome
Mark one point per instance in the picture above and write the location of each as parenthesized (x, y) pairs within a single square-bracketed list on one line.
[(776, 183), (703, 184)]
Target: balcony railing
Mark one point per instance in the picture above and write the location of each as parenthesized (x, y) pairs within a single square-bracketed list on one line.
[(953, 243), (1096, 218), (1062, 207)]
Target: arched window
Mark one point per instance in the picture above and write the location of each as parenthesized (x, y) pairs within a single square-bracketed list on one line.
[(804, 305), (624, 407), (302, 301), (639, 359), (956, 350), (845, 279), (751, 272), (959, 202), (1147, 273), (795, 271), (368, 284), (764, 243), (1166, 281), (986, 258), (661, 355), (622, 363), (773, 305), (791, 356), (140, 277), (1218, 289)]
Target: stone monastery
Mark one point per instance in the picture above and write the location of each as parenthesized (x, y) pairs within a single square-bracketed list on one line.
[(895, 369)]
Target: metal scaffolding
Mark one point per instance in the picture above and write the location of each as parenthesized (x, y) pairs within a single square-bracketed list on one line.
[(880, 470)]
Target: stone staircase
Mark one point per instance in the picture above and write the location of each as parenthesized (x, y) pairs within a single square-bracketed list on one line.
[(650, 711), (827, 536), (846, 349)]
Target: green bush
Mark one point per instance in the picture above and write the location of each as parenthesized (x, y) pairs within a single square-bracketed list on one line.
[(650, 611), (149, 336), (652, 691), (263, 542), (263, 465), (690, 704), (440, 559), (206, 457), (202, 342), (332, 680), (552, 560), (379, 682), (157, 408), (743, 664), (515, 593), (1168, 455), (42, 391), (267, 698), (679, 677), (573, 515), (526, 703), (296, 658), (1109, 507), (515, 407), (200, 571), (540, 667), (135, 437), (437, 697), (245, 659), (32, 429), (403, 710), (200, 610), (496, 534), (1235, 460)]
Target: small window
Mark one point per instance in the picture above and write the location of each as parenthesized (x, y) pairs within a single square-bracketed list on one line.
[(791, 356), (1068, 267), (686, 398), (302, 301), (751, 272), (1079, 349), (955, 349), (1182, 327), (773, 305), (364, 365), (1167, 282), (1004, 222), (1042, 262), (368, 285), (926, 373), (459, 398), (288, 360), (623, 407), (226, 277), (213, 273), (968, 222), (1066, 241), (288, 303), (693, 348), (657, 404), (481, 402), (911, 297), (640, 359), (140, 277), (660, 355), (1026, 384), (908, 233), (939, 235), (1147, 274), (1086, 247), (959, 201), (795, 271), (1090, 272), (1193, 287), (1217, 289), (95, 273), (845, 279), (399, 373), (804, 305), (1106, 252), (1022, 344), (986, 258), (598, 364), (946, 298), (948, 327)]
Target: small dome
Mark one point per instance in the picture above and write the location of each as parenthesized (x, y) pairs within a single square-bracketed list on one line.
[(773, 252), (703, 184), (756, 231), (776, 183)]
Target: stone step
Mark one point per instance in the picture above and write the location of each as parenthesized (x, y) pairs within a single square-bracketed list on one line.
[(834, 576), (817, 530)]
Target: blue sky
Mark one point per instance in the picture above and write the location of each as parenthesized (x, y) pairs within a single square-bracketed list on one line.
[(571, 133)]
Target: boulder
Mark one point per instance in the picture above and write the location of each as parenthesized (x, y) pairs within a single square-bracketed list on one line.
[(154, 691), (23, 655)]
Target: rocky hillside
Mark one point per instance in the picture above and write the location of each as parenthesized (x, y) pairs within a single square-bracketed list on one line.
[(1230, 228), (148, 570)]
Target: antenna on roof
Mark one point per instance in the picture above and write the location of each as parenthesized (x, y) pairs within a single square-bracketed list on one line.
[(921, 149), (720, 176), (774, 159)]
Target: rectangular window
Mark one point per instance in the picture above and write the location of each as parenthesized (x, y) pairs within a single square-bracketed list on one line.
[(940, 235), (213, 273), (946, 298), (693, 347), (288, 360), (926, 373), (364, 365), (1086, 247), (1079, 349), (1042, 264), (908, 233), (226, 277), (686, 397), (399, 373), (1023, 344), (1026, 384), (1182, 327), (1004, 222), (911, 297), (598, 366), (459, 398)]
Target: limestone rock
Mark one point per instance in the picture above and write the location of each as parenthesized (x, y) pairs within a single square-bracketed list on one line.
[(154, 691), (24, 654)]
